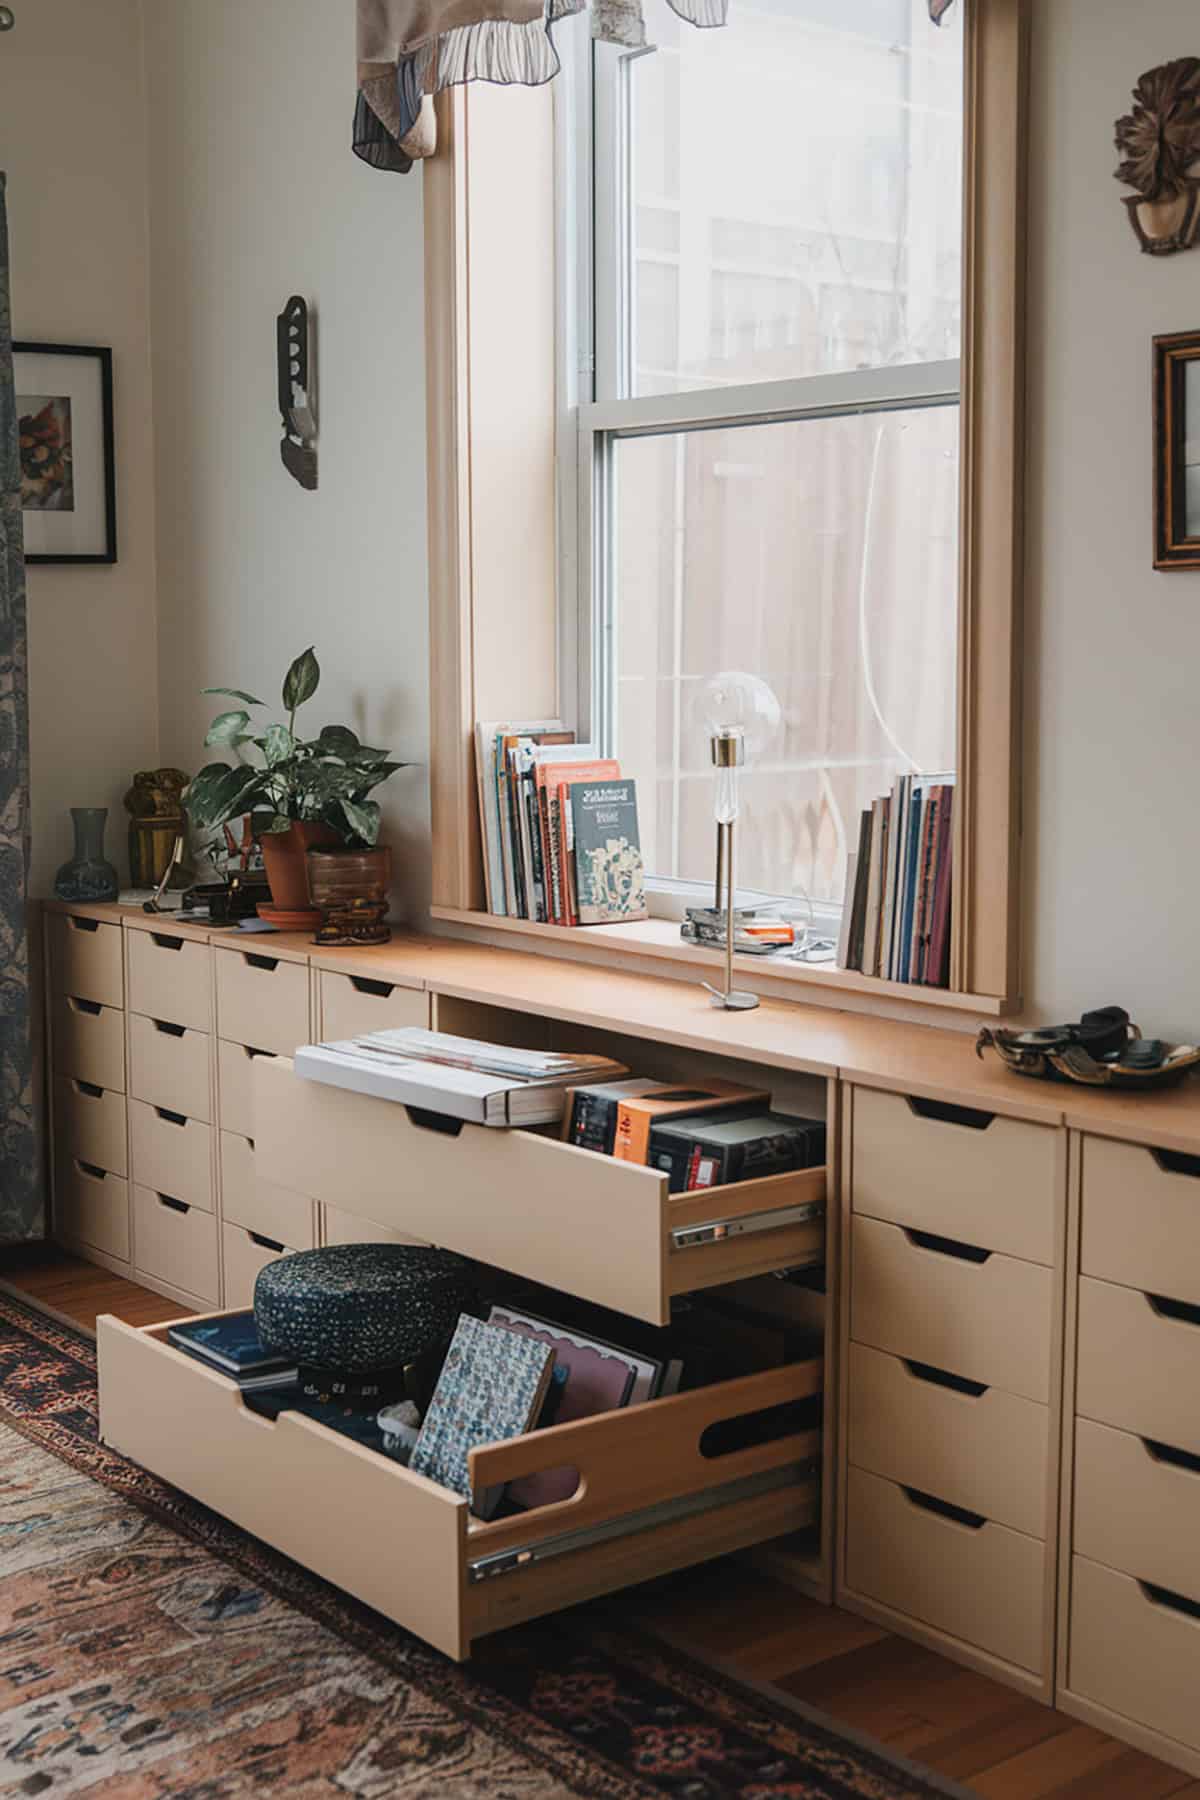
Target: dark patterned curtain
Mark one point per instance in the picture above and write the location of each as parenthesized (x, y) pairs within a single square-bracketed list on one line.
[(20, 1186)]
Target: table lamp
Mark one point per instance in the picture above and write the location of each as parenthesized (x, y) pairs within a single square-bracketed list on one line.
[(741, 715)]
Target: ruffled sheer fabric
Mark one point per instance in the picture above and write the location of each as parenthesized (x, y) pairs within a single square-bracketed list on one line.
[(409, 50)]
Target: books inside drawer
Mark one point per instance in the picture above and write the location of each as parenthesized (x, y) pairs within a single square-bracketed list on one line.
[(603, 1230), (653, 1495)]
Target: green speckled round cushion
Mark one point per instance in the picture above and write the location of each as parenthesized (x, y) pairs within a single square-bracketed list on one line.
[(359, 1307)]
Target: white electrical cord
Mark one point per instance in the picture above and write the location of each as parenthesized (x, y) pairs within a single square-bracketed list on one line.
[(864, 647)]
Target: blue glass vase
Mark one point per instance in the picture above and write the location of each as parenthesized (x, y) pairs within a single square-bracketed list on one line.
[(88, 876)]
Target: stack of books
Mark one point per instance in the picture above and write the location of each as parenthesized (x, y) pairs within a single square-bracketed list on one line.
[(561, 844), (896, 920)]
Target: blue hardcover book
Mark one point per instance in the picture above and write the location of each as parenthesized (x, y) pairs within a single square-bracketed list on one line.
[(912, 851), (230, 1343)]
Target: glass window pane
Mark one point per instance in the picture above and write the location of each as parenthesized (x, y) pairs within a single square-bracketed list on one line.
[(796, 192), (821, 555)]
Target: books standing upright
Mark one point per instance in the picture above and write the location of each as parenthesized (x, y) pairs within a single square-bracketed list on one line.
[(610, 879)]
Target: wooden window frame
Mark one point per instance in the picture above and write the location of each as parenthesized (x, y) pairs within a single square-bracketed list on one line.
[(465, 462)]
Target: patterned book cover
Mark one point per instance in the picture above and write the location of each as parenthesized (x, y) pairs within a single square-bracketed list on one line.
[(610, 879), (491, 1387)]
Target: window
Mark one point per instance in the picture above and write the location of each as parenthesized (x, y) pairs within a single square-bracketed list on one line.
[(767, 326)]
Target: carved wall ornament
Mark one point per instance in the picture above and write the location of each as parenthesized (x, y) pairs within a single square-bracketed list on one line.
[(1159, 142)]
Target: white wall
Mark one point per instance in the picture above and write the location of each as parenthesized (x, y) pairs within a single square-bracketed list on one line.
[(72, 140), (254, 196), (1113, 723)]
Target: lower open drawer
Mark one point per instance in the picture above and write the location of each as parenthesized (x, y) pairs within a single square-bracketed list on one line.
[(652, 1496)]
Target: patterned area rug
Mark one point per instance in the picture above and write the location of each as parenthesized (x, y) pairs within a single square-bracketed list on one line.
[(150, 1649)]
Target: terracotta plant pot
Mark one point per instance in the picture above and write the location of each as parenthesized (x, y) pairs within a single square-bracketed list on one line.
[(284, 855)]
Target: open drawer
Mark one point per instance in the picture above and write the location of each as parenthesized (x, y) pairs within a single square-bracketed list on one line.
[(649, 1499), (604, 1230)]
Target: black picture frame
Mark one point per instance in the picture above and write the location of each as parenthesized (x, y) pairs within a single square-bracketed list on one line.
[(104, 357), (1176, 497)]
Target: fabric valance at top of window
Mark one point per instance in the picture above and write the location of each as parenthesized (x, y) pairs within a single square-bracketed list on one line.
[(409, 50)]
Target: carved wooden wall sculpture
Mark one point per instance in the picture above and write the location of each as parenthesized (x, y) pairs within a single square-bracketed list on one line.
[(1159, 142)]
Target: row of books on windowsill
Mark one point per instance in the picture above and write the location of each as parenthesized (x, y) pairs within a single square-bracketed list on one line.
[(899, 885), (559, 823)]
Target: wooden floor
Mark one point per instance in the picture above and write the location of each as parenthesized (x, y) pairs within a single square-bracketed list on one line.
[(982, 1735)]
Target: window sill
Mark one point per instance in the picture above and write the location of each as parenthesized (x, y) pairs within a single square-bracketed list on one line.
[(659, 940)]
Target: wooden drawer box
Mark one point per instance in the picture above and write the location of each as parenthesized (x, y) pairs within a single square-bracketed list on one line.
[(188, 1424), (352, 1005), (982, 1584), (176, 1243), (170, 978), (169, 1067), (257, 1205), (962, 1174), (173, 1154), (86, 959), (987, 1452), (600, 1229), (340, 1227), (987, 1320), (235, 1086), (1141, 1218), (1138, 1367), (89, 1042), (89, 1122), (1135, 1509), (1136, 1653), (262, 1000), (91, 1207), (246, 1253)]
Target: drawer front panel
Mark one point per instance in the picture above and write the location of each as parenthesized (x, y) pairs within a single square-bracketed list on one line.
[(176, 1244), (1141, 1219), (353, 1005), (1135, 1509), (984, 1586), (257, 1205), (91, 1207), (986, 1452), (1133, 1653), (89, 1043), (86, 960), (1137, 1368), (170, 978), (340, 1227), (173, 1154), (262, 1001), (989, 1321), (89, 1122), (994, 1182), (235, 1086), (245, 1257), (170, 1068)]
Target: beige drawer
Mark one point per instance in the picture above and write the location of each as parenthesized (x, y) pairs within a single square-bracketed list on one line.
[(257, 1205), (1141, 1218), (985, 1451), (189, 1426), (352, 1005), (170, 978), (1137, 1507), (963, 1174), (262, 1000), (175, 1243), (89, 1042), (172, 1153), (979, 1582), (595, 1227), (340, 1227), (987, 1320), (91, 1207), (235, 1086), (169, 1067), (1138, 1368), (86, 959), (246, 1254), (89, 1122), (1135, 1652)]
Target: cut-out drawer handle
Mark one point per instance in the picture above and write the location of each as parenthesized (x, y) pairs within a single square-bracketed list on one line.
[(1173, 1458), (943, 1378), (365, 984), (170, 1118), (943, 1113), (425, 1120), (87, 1090), (166, 943), (265, 1243), (958, 1515), (1161, 1596), (257, 961), (1180, 1310), (93, 1171), (944, 1246), (84, 924), (270, 1054), (92, 1008), (167, 1029), (171, 1204), (1176, 1162)]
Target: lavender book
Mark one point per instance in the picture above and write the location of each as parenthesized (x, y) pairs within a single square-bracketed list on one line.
[(492, 1387)]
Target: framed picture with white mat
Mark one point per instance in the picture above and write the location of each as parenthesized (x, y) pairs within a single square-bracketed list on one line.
[(68, 479)]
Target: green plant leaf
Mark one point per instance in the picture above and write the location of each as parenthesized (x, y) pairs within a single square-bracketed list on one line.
[(339, 740), (234, 694), (277, 744), (274, 826), (370, 776), (220, 793), (363, 820), (300, 682), (227, 728)]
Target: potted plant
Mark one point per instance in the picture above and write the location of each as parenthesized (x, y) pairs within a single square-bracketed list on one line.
[(300, 793)]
